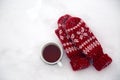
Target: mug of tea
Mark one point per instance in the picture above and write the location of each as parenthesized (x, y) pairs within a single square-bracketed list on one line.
[(52, 53)]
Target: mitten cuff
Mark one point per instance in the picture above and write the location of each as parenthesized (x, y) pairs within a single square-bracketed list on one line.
[(79, 63), (102, 62)]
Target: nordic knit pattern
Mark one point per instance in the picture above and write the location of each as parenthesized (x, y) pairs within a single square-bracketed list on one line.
[(85, 40)]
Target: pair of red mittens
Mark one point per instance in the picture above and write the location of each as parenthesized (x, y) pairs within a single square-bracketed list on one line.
[(80, 44)]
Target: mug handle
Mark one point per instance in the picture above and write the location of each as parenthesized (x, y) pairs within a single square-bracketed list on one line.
[(59, 64)]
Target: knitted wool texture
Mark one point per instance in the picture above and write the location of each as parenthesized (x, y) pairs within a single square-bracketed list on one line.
[(85, 40)]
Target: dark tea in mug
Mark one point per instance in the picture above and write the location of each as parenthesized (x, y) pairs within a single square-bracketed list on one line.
[(51, 53)]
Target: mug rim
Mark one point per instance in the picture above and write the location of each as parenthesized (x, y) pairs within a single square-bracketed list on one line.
[(53, 43)]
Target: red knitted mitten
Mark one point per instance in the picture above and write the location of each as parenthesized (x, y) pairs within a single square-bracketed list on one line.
[(77, 59), (85, 40)]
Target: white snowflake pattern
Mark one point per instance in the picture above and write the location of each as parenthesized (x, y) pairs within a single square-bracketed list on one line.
[(97, 43), (67, 43), (64, 44), (76, 40), (85, 51), (82, 33), (59, 24), (67, 37), (61, 37), (94, 44), (80, 47), (89, 47), (66, 50), (60, 31), (72, 36)]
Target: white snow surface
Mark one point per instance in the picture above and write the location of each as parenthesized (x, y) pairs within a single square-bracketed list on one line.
[(25, 25)]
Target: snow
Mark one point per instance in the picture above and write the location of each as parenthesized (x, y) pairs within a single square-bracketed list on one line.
[(25, 25)]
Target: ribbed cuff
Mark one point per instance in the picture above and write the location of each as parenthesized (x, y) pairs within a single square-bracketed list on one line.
[(102, 62), (79, 63)]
